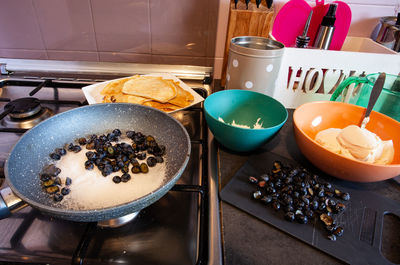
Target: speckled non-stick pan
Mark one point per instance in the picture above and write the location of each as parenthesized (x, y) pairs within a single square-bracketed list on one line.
[(32, 151)]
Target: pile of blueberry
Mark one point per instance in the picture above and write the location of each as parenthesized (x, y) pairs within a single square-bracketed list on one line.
[(52, 183), (109, 155), (302, 196)]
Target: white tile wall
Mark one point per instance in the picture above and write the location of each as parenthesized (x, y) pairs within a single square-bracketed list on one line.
[(374, 2), (365, 16), (364, 20), (137, 31)]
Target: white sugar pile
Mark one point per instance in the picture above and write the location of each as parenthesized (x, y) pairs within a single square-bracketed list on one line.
[(91, 190)]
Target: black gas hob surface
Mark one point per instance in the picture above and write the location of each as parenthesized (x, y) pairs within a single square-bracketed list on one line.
[(174, 230)]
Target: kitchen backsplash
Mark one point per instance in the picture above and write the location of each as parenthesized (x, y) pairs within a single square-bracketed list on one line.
[(365, 17), (191, 32), (140, 31)]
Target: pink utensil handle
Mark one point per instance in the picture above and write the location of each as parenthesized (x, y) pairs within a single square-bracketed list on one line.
[(342, 25), (290, 20)]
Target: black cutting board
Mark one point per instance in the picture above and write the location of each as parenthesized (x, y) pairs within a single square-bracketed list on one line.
[(362, 220)]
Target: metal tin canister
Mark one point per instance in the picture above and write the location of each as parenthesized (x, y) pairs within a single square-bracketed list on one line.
[(253, 64), (385, 35), (396, 35)]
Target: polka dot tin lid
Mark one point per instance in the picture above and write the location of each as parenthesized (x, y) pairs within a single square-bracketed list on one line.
[(256, 46), (253, 64)]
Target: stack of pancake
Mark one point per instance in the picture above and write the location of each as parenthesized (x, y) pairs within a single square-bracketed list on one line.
[(154, 91)]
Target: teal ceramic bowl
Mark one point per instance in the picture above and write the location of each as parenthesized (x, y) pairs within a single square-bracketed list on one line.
[(244, 107)]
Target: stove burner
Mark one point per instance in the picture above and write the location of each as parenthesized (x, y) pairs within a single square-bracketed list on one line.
[(29, 122), (118, 222), (24, 113), (22, 107)]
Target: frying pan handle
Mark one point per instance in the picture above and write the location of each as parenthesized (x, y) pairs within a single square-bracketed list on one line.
[(9, 203), (4, 211)]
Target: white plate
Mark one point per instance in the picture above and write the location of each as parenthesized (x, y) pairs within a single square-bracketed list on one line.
[(93, 96)]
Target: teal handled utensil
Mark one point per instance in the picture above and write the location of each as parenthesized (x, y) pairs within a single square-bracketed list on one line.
[(375, 93), (357, 90)]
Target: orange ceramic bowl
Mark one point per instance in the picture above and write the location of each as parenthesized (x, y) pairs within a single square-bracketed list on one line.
[(310, 118)]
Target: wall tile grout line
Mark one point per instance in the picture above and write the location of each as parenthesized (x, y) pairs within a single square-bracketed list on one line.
[(150, 32), (94, 30), (208, 28), (40, 29)]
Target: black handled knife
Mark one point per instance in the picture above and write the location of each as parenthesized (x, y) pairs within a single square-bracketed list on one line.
[(247, 4), (269, 3)]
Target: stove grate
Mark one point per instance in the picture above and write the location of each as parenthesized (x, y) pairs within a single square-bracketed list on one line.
[(80, 254)]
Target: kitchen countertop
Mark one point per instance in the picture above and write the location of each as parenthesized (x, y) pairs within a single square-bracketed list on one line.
[(248, 240)]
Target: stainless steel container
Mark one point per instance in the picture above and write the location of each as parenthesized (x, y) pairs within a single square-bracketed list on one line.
[(396, 34), (253, 64), (386, 32)]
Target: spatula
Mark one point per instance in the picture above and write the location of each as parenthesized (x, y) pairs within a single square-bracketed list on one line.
[(290, 20)]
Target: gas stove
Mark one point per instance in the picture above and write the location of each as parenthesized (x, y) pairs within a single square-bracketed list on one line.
[(181, 228)]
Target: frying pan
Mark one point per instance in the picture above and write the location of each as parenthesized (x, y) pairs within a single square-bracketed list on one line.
[(31, 153)]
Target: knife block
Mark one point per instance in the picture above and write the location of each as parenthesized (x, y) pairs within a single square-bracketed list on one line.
[(246, 22)]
